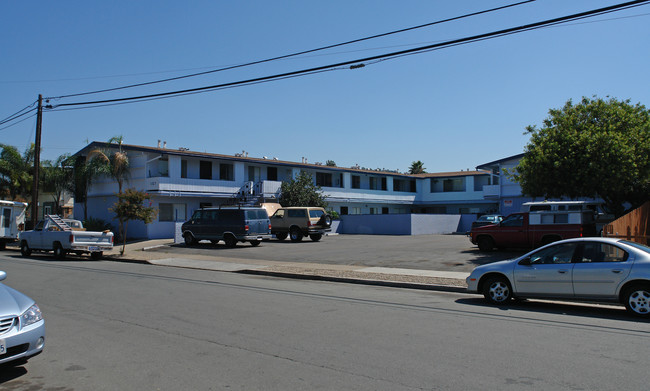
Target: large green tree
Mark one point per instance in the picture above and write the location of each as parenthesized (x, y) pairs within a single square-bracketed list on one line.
[(16, 172), (596, 148), (302, 191)]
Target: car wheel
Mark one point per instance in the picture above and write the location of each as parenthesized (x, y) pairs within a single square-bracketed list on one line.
[(316, 237), (59, 252), (3, 245), (497, 290), (230, 240), (485, 243), (281, 235), (295, 235), (637, 300), (189, 239), (255, 243), (25, 251), (96, 256)]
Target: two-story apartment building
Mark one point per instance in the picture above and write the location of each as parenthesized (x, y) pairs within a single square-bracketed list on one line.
[(181, 181)]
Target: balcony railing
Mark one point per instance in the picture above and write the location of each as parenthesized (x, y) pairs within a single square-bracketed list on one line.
[(491, 191)]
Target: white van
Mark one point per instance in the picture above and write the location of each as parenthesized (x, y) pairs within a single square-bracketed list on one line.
[(12, 221)]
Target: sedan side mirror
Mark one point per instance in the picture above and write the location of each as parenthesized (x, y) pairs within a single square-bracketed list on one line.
[(525, 262)]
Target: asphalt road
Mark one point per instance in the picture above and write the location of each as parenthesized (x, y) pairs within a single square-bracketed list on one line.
[(426, 252), (124, 326)]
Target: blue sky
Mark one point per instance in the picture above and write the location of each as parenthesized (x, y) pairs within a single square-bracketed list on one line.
[(453, 109)]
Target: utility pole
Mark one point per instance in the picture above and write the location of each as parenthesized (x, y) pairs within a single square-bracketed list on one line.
[(37, 160)]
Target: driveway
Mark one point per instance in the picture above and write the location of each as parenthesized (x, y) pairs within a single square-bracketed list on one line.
[(425, 252)]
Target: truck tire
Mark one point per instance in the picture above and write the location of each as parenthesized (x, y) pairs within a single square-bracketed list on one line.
[(96, 256), (485, 243), (281, 235), (189, 239), (25, 251), (58, 251), (315, 237), (3, 245), (295, 234), (230, 241)]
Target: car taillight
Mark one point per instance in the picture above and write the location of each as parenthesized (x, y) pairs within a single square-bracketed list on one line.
[(308, 222), (269, 227), (112, 237), (246, 228), (71, 238)]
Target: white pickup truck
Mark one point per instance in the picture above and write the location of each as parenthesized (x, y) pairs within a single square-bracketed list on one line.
[(56, 235)]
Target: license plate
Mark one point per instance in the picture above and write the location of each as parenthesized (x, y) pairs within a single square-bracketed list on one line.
[(3, 346), (93, 248)]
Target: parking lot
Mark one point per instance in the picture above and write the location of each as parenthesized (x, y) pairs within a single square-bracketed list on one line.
[(426, 252)]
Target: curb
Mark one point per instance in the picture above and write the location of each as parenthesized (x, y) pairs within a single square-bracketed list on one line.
[(360, 281)]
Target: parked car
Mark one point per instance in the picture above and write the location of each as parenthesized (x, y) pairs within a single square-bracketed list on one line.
[(533, 229), (22, 328), (232, 225), (596, 269), (54, 234), (298, 222), (486, 220)]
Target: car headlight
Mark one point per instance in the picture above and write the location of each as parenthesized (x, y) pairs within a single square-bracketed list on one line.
[(31, 316)]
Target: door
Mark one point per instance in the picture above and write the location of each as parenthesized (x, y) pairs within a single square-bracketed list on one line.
[(5, 223), (600, 269), (547, 272), (511, 232)]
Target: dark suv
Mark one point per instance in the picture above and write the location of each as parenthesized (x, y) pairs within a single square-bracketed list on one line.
[(231, 225)]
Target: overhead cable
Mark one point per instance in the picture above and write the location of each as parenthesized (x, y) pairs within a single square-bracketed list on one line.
[(421, 49), (297, 53)]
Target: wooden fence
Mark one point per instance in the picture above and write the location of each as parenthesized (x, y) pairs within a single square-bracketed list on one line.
[(634, 226)]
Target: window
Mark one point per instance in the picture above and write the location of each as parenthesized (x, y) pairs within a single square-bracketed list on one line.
[(344, 210), (6, 214), (453, 184), (555, 218), (355, 210), (356, 182), (513, 221), (373, 183), (272, 173), (226, 172), (602, 252), (323, 179), (205, 205), (373, 211), (384, 184), (559, 254), (163, 167), (183, 168), (316, 213), (205, 170), (171, 212), (404, 185), (296, 213), (384, 210)]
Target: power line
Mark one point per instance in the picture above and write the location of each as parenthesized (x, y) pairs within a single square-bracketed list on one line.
[(297, 53), (18, 113), (352, 63)]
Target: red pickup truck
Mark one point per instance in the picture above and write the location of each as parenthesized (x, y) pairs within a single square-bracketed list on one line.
[(533, 229)]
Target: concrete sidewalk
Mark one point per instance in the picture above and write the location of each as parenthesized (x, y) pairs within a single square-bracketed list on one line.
[(382, 276)]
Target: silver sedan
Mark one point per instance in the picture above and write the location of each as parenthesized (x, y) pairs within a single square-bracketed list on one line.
[(22, 328), (594, 269)]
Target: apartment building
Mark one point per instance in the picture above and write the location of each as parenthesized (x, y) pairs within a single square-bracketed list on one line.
[(181, 181)]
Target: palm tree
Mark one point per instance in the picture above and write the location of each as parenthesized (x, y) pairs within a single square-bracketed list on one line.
[(417, 168), (16, 172), (57, 178), (116, 163)]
